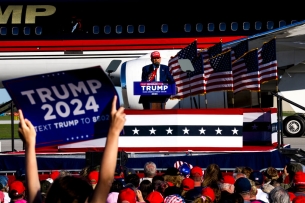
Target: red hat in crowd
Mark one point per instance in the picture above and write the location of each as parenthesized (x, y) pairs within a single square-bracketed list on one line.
[(299, 199), (127, 194), (16, 188), (155, 55), (299, 179), (155, 197), (208, 192), (93, 177), (291, 196), (196, 171), (188, 184), (228, 179), (54, 174)]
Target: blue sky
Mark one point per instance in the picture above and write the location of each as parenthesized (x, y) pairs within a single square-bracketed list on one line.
[(4, 96)]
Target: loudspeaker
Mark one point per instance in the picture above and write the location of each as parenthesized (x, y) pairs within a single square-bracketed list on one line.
[(93, 159)]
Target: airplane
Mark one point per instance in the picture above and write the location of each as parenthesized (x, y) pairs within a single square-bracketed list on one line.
[(53, 35)]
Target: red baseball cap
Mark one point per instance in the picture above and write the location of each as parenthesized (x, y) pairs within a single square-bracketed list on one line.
[(127, 194), (208, 192), (93, 176), (188, 184), (299, 179), (155, 55), (228, 179), (16, 188), (155, 197), (299, 199), (196, 171)]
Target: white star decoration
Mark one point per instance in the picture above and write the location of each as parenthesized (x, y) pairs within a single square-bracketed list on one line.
[(202, 131), (235, 131), (218, 131), (135, 131), (254, 127), (169, 131), (185, 131), (152, 131)]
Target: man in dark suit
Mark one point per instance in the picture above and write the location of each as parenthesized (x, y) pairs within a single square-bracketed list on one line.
[(159, 73)]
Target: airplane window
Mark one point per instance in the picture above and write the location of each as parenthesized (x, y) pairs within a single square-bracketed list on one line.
[(3, 31), (282, 23), (164, 28), (270, 25), (38, 30), (107, 29), (141, 28), (246, 26), (234, 26), (130, 29), (258, 25), (26, 31), (293, 21), (96, 29), (199, 27), (211, 27), (187, 27), (15, 30), (119, 29), (222, 26)]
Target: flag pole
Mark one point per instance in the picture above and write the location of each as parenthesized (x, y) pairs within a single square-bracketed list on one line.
[(260, 99), (206, 101), (250, 99), (233, 100)]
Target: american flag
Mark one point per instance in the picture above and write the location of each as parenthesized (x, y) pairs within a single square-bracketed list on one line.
[(218, 73), (267, 61), (240, 49), (245, 72), (193, 83)]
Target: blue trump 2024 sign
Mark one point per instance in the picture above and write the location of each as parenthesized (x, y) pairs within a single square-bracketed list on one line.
[(67, 106), (153, 88)]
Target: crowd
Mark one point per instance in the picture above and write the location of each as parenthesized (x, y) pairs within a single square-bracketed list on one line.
[(178, 184)]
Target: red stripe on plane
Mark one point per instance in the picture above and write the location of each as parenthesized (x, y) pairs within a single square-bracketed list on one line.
[(110, 44)]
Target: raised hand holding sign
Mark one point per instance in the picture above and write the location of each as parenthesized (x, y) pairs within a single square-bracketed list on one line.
[(64, 107)]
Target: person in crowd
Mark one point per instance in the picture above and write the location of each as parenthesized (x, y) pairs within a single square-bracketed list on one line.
[(212, 177), (257, 178), (17, 192), (79, 189), (115, 189), (93, 177), (299, 184), (45, 185), (299, 199), (243, 187), (155, 197), (172, 176), (289, 172), (132, 179), (174, 198), (247, 171), (208, 193), (152, 73), (187, 185), (54, 175), (146, 188), (270, 174), (128, 195), (226, 186), (279, 195), (4, 188), (150, 170), (196, 174)]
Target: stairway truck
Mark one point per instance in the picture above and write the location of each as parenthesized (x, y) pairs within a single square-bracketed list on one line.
[(294, 125)]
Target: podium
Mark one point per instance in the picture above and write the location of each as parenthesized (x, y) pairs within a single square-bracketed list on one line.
[(154, 95)]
